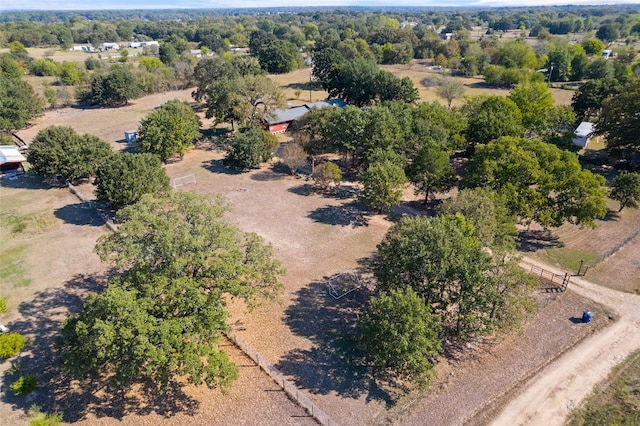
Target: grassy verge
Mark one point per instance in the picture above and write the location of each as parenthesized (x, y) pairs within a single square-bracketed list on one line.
[(616, 400), (567, 257)]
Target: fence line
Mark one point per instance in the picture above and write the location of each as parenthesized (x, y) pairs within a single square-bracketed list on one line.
[(275, 374), (557, 279)]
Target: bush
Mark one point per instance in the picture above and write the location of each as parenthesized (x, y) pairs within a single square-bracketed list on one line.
[(24, 385), (326, 173), (11, 344), (38, 418)]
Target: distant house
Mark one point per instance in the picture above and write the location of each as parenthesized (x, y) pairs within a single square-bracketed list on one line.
[(583, 134), (606, 53), (11, 160), (281, 119), (84, 48), (196, 52), (109, 46)]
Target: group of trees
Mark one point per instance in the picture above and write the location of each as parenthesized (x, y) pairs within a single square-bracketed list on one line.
[(18, 102), (121, 179), (438, 284), (235, 90)]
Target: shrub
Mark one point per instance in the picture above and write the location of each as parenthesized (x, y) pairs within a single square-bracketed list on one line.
[(11, 344), (38, 418), (24, 385)]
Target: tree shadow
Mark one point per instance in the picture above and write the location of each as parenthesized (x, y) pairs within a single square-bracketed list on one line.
[(41, 321), (334, 364), (217, 166), (80, 214), (304, 189), (265, 176), (349, 214), (611, 215), (529, 241), (31, 180)]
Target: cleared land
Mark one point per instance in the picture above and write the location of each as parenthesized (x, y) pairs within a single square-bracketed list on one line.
[(309, 335)]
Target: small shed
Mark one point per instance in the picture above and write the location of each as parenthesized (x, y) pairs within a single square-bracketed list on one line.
[(583, 134), (11, 160), (130, 136)]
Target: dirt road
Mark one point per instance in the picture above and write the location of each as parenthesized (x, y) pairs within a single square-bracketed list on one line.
[(549, 396)]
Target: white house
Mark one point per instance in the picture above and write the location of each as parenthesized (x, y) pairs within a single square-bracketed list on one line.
[(109, 46), (583, 134)]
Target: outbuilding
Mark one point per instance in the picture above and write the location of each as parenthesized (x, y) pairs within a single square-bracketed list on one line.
[(583, 134), (11, 160)]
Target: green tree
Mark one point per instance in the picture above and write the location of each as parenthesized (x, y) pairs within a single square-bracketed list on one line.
[(593, 46), (115, 88), (399, 332), (449, 90), (625, 189), (170, 129), (248, 149), (326, 173), (207, 72), (535, 102), (279, 57), (608, 33), (383, 184), (18, 102), (490, 117), (226, 104), (71, 74), (619, 120), (587, 100), (124, 178), (163, 317), (443, 261), (60, 151), (492, 221), (430, 171), (540, 181)]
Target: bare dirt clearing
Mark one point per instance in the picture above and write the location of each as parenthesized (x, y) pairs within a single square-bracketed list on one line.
[(107, 123)]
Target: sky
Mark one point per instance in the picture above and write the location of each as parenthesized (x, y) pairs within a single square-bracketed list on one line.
[(203, 4)]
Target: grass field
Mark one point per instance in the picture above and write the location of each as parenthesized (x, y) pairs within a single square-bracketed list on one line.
[(614, 401)]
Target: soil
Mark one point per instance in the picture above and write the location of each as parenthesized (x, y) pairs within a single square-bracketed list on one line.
[(308, 335)]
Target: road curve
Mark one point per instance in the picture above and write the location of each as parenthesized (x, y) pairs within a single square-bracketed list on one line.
[(549, 396)]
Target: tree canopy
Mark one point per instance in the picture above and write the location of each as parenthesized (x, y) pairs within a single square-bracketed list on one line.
[(430, 170), (18, 101), (443, 261), (115, 88), (162, 318), (399, 332), (619, 121), (625, 189), (124, 178), (170, 129), (490, 117), (60, 151), (383, 183), (247, 150), (540, 181)]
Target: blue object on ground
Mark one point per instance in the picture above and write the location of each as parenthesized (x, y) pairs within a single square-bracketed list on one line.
[(587, 316)]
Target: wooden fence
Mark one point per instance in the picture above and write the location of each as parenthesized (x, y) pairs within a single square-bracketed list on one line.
[(559, 281), (291, 389)]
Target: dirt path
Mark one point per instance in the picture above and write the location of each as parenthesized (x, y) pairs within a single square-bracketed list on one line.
[(549, 396)]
